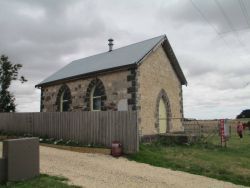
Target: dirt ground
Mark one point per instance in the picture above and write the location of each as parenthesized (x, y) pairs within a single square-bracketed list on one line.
[(97, 170)]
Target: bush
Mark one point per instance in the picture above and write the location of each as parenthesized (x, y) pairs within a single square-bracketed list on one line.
[(244, 114)]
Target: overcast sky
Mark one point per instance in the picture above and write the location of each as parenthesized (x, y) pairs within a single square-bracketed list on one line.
[(211, 40)]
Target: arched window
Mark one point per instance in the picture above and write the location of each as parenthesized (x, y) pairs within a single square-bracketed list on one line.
[(95, 96), (63, 99), (96, 99)]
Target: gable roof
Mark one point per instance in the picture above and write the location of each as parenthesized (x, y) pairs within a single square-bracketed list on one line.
[(126, 56)]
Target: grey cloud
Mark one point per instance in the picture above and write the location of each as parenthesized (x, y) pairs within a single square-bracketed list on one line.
[(196, 67), (52, 7), (40, 44), (220, 81), (201, 12)]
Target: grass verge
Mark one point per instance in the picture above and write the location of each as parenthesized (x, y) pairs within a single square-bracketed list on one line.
[(43, 181), (230, 164)]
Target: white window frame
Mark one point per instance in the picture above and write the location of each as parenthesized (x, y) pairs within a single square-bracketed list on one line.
[(92, 99), (62, 101)]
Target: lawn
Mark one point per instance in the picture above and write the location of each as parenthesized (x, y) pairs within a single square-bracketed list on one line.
[(229, 164), (43, 181)]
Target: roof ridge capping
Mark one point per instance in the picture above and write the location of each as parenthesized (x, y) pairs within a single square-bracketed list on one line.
[(113, 50), (123, 57), (160, 36)]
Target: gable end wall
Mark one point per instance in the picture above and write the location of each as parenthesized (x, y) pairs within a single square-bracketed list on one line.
[(154, 74)]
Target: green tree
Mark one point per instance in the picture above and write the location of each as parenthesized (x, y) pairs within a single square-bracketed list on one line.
[(8, 73)]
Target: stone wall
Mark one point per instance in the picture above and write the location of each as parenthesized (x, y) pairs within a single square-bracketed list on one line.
[(117, 88), (156, 78)]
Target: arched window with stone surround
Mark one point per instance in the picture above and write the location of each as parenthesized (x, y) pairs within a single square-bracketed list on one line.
[(96, 99), (63, 99), (95, 96)]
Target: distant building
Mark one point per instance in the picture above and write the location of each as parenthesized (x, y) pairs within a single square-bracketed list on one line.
[(144, 76)]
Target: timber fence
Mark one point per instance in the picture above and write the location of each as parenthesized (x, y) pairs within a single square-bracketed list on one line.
[(97, 128)]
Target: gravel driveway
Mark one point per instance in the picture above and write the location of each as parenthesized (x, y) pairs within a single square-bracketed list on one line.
[(97, 170)]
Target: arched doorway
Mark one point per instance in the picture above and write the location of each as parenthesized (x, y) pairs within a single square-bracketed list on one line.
[(162, 117), (163, 113)]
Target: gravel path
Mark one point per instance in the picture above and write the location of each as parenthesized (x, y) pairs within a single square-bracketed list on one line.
[(96, 170)]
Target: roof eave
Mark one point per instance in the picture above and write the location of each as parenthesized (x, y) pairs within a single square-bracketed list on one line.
[(173, 60), (91, 74)]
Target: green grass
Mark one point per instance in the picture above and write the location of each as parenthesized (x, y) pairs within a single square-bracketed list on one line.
[(229, 164), (43, 181)]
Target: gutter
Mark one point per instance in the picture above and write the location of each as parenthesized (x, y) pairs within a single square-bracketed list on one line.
[(87, 75)]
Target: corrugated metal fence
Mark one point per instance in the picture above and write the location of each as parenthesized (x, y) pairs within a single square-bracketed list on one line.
[(98, 128)]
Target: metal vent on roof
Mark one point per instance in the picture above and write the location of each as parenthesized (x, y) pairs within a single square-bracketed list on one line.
[(110, 44)]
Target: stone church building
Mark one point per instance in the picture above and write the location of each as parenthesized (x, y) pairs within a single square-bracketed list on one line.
[(144, 76)]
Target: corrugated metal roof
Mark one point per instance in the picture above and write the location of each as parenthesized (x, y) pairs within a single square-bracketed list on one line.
[(127, 55)]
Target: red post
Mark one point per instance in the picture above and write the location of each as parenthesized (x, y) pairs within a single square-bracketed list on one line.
[(222, 131)]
